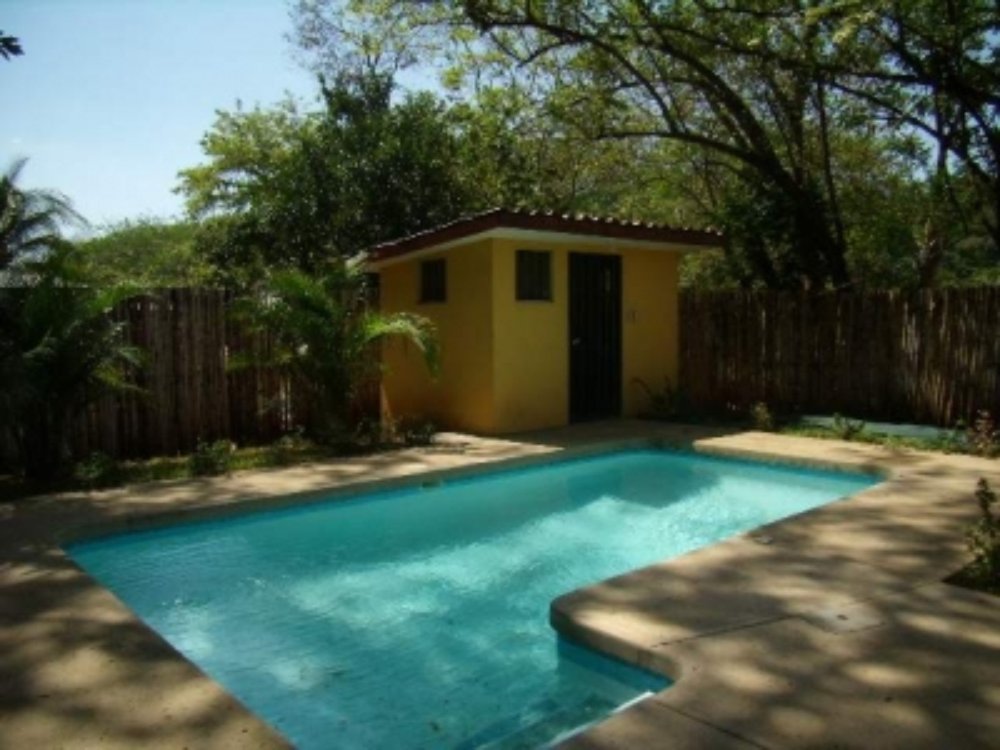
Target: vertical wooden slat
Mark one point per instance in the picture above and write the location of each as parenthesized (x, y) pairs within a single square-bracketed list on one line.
[(928, 356)]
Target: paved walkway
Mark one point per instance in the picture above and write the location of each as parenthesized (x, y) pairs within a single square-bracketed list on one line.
[(830, 629), (827, 630)]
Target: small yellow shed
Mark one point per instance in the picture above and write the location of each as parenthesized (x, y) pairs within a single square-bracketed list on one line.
[(542, 319)]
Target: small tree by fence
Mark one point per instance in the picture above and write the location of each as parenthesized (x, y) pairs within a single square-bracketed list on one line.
[(923, 356)]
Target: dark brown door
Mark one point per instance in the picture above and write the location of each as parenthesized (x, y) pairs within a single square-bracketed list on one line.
[(595, 336)]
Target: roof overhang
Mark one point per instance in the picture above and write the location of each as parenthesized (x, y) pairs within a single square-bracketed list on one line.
[(536, 227), (528, 236)]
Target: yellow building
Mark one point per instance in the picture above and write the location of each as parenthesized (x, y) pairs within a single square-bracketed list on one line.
[(542, 319)]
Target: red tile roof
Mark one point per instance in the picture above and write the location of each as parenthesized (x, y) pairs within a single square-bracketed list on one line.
[(546, 222)]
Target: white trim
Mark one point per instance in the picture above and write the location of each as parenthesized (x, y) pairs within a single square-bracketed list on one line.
[(583, 241)]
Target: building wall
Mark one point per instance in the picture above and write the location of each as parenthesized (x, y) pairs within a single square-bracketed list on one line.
[(505, 363), (530, 345), (650, 333), (462, 395), (531, 339)]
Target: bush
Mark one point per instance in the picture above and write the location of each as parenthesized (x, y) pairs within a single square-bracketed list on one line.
[(417, 431), (211, 459), (286, 449), (983, 436), (845, 428), (369, 432), (666, 403), (984, 538), (97, 470), (761, 417), (952, 441)]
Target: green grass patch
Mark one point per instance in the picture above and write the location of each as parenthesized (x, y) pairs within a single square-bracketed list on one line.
[(942, 444)]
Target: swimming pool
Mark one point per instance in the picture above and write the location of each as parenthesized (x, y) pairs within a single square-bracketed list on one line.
[(418, 617)]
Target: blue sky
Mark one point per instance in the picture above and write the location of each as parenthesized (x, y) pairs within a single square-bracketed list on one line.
[(112, 97)]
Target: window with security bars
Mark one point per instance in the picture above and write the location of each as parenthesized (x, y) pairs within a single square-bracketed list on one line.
[(534, 275), (433, 287)]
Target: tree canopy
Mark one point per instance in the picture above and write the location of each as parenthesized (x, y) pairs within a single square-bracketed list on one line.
[(838, 143), (288, 188), (146, 252)]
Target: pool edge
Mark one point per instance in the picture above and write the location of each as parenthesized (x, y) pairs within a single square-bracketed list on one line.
[(31, 561)]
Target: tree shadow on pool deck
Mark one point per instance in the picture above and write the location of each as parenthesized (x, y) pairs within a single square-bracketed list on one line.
[(80, 671)]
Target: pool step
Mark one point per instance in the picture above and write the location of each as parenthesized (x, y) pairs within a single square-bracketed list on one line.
[(537, 726)]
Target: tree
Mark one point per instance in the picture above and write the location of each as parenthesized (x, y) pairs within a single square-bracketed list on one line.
[(10, 46), (769, 105), (31, 221), (325, 337), (146, 253), (283, 188), (642, 71), (930, 67), (59, 351)]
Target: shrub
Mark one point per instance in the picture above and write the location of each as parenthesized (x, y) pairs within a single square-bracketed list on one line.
[(325, 336), (369, 432), (211, 459), (983, 436), (952, 441), (285, 449), (97, 470), (665, 403), (846, 428), (761, 417), (984, 537), (417, 431)]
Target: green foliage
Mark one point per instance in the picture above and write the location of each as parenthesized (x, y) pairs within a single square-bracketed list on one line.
[(31, 221), (370, 432), (147, 253), (847, 429), (416, 431), (286, 450), (326, 336), (983, 437), (59, 351), (952, 441), (285, 188), (946, 441), (665, 403), (211, 459), (59, 348), (831, 141), (97, 470), (761, 417), (10, 46), (984, 539)]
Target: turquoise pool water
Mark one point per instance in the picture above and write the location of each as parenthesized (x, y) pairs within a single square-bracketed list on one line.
[(418, 618)]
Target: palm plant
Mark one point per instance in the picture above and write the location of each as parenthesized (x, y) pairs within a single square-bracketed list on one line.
[(59, 351), (324, 336), (59, 348), (31, 221)]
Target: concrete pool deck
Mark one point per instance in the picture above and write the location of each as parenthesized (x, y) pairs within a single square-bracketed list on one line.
[(828, 629)]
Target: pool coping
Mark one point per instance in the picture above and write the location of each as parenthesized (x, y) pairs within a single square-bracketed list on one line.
[(44, 590)]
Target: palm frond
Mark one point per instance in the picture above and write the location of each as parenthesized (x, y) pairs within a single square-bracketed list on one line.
[(414, 328), (31, 221)]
